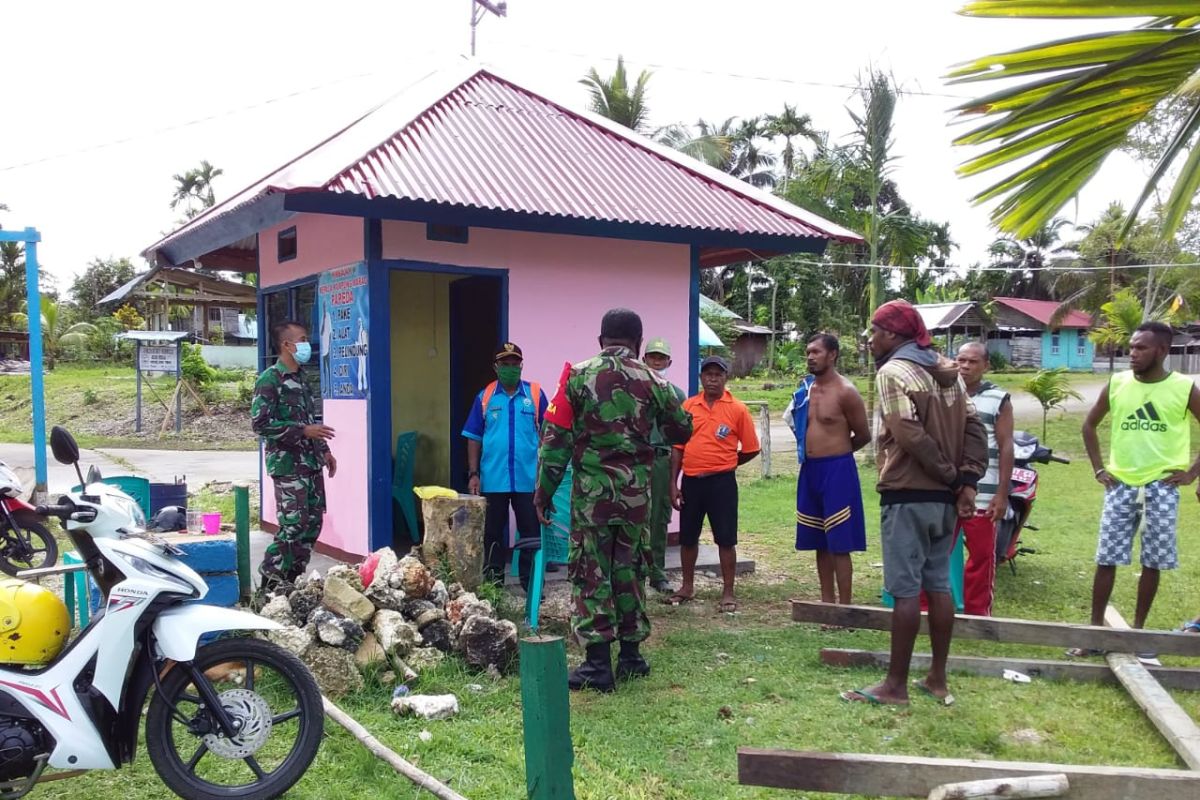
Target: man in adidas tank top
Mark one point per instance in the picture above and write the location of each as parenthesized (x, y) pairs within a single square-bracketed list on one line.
[(502, 434), (1149, 459)]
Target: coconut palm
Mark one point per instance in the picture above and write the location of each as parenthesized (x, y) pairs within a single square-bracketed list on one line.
[(615, 99), (1051, 388), (1077, 100), (1026, 258), (55, 333), (788, 125), (194, 189)]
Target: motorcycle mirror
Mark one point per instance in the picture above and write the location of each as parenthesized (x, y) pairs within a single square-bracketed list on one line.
[(93, 475), (63, 445)]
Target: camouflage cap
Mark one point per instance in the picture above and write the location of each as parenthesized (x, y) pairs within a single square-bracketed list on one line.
[(659, 346)]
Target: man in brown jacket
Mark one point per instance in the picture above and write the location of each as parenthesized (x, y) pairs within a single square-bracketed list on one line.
[(932, 452)]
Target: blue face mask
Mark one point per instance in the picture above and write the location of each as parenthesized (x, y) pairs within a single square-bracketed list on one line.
[(303, 352)]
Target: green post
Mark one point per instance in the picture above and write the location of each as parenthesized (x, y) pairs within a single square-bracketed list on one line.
[(546, 708), (241, 513)]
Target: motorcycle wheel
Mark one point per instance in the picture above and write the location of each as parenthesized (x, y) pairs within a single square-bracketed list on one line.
[(28, 546), (278, 703)]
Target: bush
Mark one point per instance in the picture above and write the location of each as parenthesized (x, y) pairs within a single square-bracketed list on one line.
[(195, 369), (90, 398), (245, 392), (997, 361)]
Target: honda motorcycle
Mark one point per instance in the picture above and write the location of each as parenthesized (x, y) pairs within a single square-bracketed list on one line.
[(1026, 450), (24, 541), (233, 718)]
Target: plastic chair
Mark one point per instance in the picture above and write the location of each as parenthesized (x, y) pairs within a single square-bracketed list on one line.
[(402, 482), (75, 590), (135, 487), (957, 565), (556, 543)]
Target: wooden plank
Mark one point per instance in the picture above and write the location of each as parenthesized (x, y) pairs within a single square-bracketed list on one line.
[(913, 776), (1185, 678), (1013, 631), (546, 710), (1172, 721)]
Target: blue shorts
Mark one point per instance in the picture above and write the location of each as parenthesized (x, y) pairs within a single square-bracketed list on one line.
[(829, 510)]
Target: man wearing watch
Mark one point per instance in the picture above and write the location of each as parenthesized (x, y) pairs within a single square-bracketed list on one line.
[(502, 433), (1149, 459)]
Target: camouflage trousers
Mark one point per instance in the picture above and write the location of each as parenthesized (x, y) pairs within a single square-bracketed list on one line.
[(605, 564), (300, 506), (660, 518)]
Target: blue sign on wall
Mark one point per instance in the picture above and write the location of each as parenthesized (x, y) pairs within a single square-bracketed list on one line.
[(343, 320)]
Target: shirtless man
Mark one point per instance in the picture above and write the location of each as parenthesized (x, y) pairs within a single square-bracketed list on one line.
[(829, 419)]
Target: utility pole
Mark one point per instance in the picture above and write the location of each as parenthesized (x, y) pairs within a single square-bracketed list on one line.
[(481, 7)]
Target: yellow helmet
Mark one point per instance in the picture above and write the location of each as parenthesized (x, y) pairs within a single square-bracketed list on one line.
[(34, 623)]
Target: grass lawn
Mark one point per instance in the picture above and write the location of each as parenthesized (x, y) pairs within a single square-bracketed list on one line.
[(98, 405), (662, 737)]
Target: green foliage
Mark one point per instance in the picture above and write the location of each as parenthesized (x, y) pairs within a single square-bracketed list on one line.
[(99, 278), (615, 99), (245, 392), (129, 318), (996, 361), (194, 190), (195, 369), (1070, 103), (90, 398), (1051, 388), (722, 326)]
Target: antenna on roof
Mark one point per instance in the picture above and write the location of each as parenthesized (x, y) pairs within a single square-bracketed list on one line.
[(478, 8)]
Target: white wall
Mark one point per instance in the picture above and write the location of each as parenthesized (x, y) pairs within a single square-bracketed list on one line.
[(230, 356)]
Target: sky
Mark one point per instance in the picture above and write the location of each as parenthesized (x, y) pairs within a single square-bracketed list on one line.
[(115, 98)]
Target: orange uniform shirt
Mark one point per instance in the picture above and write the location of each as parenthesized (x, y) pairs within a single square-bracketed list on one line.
[(716, 433)]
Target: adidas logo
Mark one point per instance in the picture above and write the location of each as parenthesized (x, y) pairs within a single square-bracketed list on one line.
[(1144, 419)]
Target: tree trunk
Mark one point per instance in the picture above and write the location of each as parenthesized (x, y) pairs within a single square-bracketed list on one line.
[(1045, 417), (774, 296)]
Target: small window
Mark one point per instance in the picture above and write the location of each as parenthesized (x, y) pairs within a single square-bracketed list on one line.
[(214, 314), (1080, 345), (435, 232), (1055, 342), (287, 244)]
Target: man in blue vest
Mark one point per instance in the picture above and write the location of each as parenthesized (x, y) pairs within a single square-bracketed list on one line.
[(502, 434)]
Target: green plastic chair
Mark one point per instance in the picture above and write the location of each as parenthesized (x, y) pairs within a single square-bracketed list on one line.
[(135, 487), (957, 565), (402, 483), (75, 590), (556, 541)]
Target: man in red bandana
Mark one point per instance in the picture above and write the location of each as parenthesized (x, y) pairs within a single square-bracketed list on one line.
[(932, 453)]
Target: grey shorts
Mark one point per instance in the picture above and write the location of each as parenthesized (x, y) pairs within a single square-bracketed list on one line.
[(1157, 512), (917, 540)]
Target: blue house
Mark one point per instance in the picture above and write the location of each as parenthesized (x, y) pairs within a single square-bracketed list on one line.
[(1024, 335)]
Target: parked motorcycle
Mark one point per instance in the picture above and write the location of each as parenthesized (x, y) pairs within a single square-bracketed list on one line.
[(24, 541), (1026, 450), (236, 718)]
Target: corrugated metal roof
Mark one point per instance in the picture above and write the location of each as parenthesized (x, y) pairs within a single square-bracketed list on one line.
[(1042, 310), (484, 142), (942, 315)]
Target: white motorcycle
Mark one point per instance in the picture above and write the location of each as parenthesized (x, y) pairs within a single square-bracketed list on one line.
[(236, 718)]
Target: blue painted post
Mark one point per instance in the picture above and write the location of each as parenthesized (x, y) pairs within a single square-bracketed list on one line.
[(37, 385)]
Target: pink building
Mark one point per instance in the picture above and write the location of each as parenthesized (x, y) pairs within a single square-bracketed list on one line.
[(464, 212)]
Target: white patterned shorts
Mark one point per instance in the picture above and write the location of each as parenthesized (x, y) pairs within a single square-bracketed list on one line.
[(1119, 523)]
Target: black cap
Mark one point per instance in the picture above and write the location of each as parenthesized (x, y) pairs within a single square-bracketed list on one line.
[(508, 349), (715, 361)]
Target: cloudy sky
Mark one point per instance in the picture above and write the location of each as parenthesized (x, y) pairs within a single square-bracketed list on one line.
[(116, 97)]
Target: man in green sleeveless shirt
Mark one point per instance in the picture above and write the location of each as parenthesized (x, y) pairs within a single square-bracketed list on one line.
[(1149, 454)]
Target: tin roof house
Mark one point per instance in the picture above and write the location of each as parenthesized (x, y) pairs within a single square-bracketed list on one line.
[(466, 211)]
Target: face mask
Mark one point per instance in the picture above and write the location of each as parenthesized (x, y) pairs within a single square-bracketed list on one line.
[(662, 373), (303, 352), (509, 376)]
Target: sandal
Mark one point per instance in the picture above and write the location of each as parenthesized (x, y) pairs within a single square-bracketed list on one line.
[(945, 700), (677, 599), (1191, 626), (865, 696), (727, 607), (1086, 652)]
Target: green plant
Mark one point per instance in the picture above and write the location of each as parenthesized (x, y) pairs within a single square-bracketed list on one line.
[(216, 334), (997, 361), (245, 392), (195, 368), (1051, 388), (90, 398)]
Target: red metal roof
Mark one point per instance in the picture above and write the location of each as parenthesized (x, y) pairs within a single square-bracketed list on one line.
[(487, 143), (1041, 310)]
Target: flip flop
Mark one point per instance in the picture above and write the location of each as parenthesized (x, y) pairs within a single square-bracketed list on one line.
[(864, 696), (1191, 626), (677, 599), (727, 607), (947, 700), (1086, 652)]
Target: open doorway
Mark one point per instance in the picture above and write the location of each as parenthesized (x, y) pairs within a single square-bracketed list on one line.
[(476, 330)]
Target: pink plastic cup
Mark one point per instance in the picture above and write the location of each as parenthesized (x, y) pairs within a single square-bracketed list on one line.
[(212, 523)]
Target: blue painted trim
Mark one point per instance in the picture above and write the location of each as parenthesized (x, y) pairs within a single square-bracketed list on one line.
[(261, 309), (382, 438), (405, 265), (279, 237), (456, 234), (247, 220), (694, 323), (421, 211), (36, 372), (292, 284)]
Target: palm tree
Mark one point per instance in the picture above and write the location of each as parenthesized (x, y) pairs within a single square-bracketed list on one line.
[(54, 336), (1025, 259), (1051, 388), (1079, 100), (194, 189), (789, 125), (615, 99), (708, 143)]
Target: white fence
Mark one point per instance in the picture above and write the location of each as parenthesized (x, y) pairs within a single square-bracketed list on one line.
[(230, 356)]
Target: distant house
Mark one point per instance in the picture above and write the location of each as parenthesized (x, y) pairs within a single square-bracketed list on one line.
[(752, 343), (184, 300), (958, 322), (1023, 334), (14, 345)]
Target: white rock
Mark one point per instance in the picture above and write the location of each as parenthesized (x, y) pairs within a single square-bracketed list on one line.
[(278, 609), (423, 658), (294, 639), (425, 736), (396, 635), (341, 597), (426, 706), (384, 566), (347, 573)]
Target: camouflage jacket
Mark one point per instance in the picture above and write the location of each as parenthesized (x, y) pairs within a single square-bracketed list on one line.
[(601, 423), (282, 406)]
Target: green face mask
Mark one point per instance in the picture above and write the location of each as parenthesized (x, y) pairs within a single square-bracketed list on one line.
[(509, 376)]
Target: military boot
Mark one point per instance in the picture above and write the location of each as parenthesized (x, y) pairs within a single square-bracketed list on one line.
[(596, 671), (630, 663)]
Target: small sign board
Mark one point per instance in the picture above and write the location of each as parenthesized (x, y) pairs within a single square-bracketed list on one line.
[(158, 358)]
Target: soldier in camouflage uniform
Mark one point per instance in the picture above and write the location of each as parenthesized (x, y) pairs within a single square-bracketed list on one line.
[(601, 422), (297, 450)]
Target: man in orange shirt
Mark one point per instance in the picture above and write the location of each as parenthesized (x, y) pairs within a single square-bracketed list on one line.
[(723, 439)]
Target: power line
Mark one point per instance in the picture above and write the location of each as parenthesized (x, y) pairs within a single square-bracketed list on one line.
[(908, 268)]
